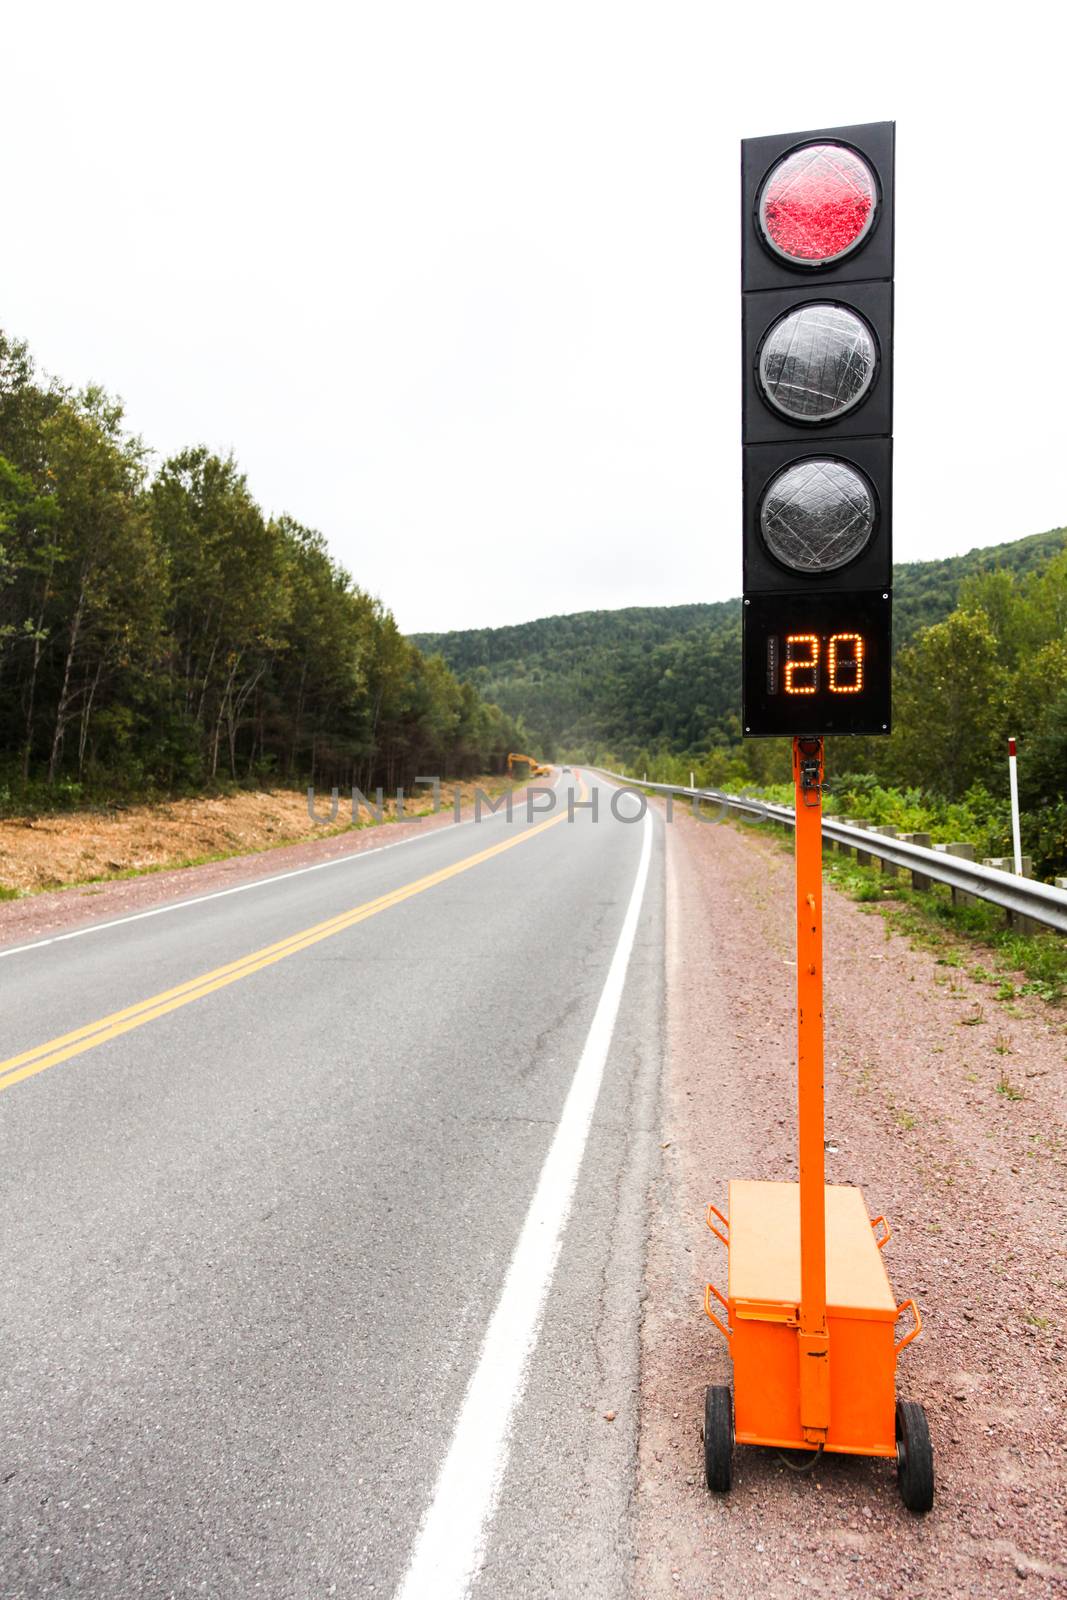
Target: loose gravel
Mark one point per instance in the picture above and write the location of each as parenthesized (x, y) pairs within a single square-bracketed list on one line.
[(951, 1113)]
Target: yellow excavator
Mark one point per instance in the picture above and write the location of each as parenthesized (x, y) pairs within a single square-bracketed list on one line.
[(537, 770)]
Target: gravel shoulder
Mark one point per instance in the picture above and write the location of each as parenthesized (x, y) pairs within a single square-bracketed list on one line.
[(957, 1129)]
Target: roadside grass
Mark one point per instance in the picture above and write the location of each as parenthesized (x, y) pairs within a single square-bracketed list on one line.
[(972, 937)]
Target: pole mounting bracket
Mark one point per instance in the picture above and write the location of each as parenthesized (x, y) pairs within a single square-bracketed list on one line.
[(810, 769)]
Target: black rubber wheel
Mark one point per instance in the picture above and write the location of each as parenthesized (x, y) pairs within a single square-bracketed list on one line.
[(915, 1456), (718, 1437)]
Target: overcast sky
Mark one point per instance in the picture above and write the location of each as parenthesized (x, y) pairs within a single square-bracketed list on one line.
[(458, 284)]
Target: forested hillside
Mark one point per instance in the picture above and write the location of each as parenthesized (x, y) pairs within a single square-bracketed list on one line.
[(647, 674), (669, 676), (157, 631)]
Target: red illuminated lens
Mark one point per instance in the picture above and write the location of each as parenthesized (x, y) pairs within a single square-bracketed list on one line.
[(818, 204)]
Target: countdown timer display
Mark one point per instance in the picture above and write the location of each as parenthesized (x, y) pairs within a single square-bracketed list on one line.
[(816, 663)]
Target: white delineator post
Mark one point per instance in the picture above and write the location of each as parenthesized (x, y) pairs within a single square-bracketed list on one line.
[(1013, 779)]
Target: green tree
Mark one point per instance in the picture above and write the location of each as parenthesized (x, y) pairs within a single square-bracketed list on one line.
[(949, 705), (104, 604), (228, 597), (25, 524)]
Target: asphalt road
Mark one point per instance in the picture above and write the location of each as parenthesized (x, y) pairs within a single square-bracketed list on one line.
[(257, 1234)]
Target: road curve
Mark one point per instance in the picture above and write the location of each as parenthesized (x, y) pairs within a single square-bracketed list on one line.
[(269, 1164)]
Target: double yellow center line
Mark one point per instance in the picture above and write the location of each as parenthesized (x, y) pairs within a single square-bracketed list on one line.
[(77, 1042)]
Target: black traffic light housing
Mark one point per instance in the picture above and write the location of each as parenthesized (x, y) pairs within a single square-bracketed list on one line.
[(871, 569), (761, 423), (817, 634), (760, 267)]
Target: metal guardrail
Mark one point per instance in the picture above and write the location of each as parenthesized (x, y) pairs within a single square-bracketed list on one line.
[(1041, 902)]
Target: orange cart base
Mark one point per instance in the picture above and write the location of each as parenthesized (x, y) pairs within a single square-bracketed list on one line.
[(762, 1309)]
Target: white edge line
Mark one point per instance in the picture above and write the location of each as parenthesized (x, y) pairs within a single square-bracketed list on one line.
[(256, 883), (452, 1537)]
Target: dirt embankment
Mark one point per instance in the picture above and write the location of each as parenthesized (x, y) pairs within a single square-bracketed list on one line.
[(61, 848), (138, 855), (951, 1112)]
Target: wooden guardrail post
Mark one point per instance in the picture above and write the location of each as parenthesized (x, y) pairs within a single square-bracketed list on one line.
[(919, 880), (966, 853), (886, 828), (863, 858), (1015, 919)]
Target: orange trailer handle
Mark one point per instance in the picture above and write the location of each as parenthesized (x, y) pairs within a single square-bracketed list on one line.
[(887, 1235), (713, 1211), (909, 1305), (710, 1290)]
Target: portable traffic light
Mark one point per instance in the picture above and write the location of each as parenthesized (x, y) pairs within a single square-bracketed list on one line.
[(817, 424), (811, 1315)]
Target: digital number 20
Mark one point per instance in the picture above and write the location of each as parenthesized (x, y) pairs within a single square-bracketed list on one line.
[(844, 663)]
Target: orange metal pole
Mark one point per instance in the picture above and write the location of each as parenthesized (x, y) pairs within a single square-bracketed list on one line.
[(813, 1336)]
